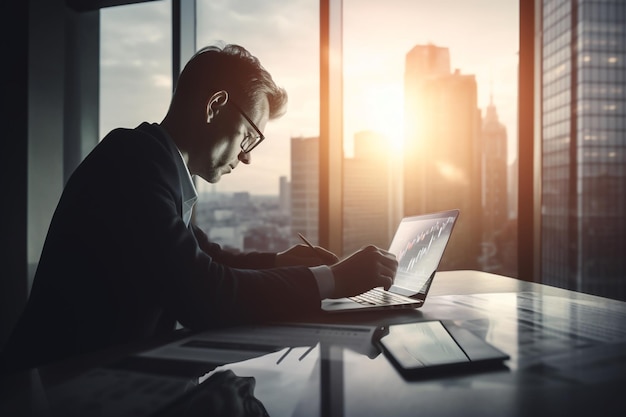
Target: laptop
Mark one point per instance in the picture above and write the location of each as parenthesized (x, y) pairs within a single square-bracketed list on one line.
[(418, 243)]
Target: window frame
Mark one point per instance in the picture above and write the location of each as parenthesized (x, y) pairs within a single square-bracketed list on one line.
[(529, 148)]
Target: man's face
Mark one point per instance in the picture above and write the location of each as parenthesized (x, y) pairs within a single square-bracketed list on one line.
[(218, 151)]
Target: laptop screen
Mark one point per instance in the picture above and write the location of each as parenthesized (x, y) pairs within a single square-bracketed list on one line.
[(419, 244)]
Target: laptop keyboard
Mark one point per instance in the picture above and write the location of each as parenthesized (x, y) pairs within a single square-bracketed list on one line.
[(378, 297)]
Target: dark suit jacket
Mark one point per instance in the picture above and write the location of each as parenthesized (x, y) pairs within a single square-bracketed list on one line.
[(119, 264)]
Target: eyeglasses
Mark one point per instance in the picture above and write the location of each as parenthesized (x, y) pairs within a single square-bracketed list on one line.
[(249, 141)]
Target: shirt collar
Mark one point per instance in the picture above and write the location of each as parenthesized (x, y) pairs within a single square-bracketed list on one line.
[(189, 193)]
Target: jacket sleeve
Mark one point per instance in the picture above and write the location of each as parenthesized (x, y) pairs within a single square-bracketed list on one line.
[(194, 287), (248, 260)]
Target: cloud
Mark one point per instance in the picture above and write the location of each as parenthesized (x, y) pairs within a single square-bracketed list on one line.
[(135, 59), (162, 81)]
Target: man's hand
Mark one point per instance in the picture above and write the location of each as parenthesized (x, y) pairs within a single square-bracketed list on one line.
[(368, 268), (305, 256)]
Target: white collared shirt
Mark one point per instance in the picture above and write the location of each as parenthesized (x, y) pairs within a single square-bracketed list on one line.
[(189, 193)]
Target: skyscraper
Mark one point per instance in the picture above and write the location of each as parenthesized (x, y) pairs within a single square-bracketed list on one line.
[(305, 187), (442, 164), (494, 185), (284, 195), (583, 138), (367, 196)]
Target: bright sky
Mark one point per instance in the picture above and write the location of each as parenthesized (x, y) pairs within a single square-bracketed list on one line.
[(482, 36)]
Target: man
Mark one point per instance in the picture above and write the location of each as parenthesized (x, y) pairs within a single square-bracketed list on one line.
[(122, 262)]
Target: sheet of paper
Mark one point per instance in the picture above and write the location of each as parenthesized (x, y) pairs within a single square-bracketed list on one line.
[(241, 343), (280, 377)]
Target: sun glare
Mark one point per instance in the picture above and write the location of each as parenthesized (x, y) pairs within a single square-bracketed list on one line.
[(378, 108)]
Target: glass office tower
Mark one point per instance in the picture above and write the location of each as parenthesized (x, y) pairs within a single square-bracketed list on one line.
[(442, 149), (305, 174), (583, 48), (368, 193)]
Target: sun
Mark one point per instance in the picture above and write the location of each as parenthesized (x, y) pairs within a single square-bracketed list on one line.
[(379, 108)]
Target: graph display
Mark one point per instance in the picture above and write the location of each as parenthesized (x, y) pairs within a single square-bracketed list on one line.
[(419, 244)]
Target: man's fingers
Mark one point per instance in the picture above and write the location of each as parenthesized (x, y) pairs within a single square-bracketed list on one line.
[(388, 264), (328, 257), (384, 281)]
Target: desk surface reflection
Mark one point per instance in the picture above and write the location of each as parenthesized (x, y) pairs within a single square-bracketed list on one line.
[(567, 356)]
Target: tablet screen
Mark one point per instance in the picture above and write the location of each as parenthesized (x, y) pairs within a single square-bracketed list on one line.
[(422, 345)]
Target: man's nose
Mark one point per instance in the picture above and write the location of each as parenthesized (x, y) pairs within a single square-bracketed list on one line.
[(244, 157)]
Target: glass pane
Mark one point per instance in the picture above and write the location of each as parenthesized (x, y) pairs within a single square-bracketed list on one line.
[(583, 149), (251, 209), (430, 118), (135, 64)]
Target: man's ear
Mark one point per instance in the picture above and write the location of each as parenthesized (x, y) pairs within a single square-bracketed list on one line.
[(215, 103)]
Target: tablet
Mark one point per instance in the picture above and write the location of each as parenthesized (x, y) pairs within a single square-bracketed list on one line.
[(429, 347)]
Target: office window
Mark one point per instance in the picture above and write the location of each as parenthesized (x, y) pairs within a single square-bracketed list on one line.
[(135, 64), (255, 206), (430, 123), (263, 206)]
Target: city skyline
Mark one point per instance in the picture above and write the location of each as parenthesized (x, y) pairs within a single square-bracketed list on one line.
[(373, 64)]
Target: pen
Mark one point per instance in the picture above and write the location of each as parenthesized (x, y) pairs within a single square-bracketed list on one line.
[(284, 355), (305, 240), (306, 353)]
